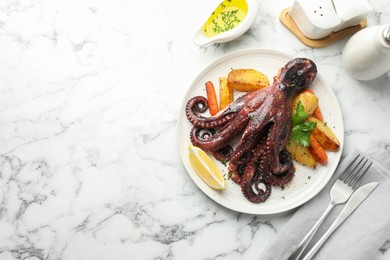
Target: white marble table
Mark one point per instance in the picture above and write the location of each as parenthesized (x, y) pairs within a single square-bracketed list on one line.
[(90, 96)]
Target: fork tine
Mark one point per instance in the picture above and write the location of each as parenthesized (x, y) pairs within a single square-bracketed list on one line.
[(360, 178), (353, 172), (357, 173), (347, 171)]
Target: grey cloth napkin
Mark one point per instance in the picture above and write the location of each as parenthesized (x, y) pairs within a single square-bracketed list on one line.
[(359, 237)]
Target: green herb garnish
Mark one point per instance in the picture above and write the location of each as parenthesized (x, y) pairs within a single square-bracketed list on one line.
[(301, 129), (230, 20)]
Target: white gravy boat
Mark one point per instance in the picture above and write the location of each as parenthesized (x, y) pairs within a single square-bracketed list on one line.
[(201, 39)]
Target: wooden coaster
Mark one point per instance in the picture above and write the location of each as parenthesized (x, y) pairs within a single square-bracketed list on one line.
[(289, 23)]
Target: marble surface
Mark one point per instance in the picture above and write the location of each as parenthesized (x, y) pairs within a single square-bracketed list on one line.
[(89, 102)]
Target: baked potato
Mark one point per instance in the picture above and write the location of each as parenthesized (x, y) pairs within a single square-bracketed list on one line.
[(226, 94), (309, 101), (301, 154), (246, 80)]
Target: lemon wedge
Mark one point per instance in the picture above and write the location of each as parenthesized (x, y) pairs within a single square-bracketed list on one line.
[(206, 168)]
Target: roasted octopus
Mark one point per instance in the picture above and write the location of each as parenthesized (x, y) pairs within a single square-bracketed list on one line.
[(257, 125)]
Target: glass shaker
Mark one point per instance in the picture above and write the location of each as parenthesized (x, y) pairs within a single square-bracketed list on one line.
[(366, 56)]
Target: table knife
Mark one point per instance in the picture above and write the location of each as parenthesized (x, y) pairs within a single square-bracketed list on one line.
[(356, 199)]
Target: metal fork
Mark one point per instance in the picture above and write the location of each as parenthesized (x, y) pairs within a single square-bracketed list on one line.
[(340, 192)]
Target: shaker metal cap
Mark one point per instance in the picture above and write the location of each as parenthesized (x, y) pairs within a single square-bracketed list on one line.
[(386, 34)]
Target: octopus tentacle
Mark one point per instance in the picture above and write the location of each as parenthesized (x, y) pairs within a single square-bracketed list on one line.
[(246, 105), (220, 139), (243, 150), (236, 169), (198, 105), (259, 120), (258, 154), (276, 169), (231, 130), (285, 177), (253, 177), (224, 154), (250, 184), (239, 103), (274, 146)]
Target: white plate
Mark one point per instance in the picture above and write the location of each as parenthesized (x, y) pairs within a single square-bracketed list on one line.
[(307, 182)]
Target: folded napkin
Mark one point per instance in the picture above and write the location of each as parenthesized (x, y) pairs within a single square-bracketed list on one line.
[(361, 234)]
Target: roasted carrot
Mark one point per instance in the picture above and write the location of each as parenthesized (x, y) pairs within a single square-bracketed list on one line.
[(317, 151), (318, 114), (309, 91), (212, 98)]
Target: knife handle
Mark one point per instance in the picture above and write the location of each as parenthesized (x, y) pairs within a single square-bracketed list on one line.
[(355, 200), (302, 246), (340, 219)]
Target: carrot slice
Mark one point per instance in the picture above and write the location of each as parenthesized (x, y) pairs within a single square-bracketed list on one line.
[(317, 151), (212, 98), (309, 91), (318, 114)]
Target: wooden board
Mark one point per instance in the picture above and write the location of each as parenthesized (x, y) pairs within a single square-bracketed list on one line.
[(289, 23)]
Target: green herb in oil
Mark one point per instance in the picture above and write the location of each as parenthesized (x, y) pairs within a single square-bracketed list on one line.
[(229, 19)]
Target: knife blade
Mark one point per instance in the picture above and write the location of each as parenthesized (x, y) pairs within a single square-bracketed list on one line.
[(356, 199)]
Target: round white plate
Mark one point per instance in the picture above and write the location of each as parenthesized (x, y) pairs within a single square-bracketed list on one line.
[(307, 182)]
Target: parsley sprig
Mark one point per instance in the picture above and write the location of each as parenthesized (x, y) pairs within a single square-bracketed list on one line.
[(301, 129)]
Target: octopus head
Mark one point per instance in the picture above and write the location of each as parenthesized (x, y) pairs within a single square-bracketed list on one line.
[(297, 75)]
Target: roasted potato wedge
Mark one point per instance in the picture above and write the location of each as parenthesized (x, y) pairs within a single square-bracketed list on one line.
[(301, 154), (309, 101), (247, 80), (226, 94), (325, 136)]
